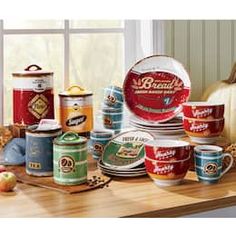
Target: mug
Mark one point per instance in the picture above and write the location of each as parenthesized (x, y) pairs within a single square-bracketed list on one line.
[(208, 163), (98, 140), (113, 96), (112, 118)]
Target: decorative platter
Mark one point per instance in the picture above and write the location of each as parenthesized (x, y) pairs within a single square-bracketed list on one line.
[(126, 150), (155, 88)]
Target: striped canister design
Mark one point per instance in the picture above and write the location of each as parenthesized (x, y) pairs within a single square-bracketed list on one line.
[(70, 159)]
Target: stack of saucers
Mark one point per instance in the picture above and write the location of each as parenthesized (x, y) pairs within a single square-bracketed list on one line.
[(124, 155), (172, 129)]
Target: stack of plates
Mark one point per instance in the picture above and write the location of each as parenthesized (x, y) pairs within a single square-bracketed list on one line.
[(138, 171), (124, 155), (172, 129)]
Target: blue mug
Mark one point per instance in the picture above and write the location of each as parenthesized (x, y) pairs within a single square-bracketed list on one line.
[(208, 163), (98, 140), (112, 118), (113, 96)]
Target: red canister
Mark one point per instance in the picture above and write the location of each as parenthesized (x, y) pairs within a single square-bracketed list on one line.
[(32, 95)]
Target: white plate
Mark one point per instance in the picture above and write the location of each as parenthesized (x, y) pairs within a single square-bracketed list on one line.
[(157, 128), (174, 137), (126, 150), (103, 166), (173, 122), (124, 175)]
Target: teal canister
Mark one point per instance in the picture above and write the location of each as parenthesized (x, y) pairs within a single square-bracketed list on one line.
[(39, 150), (70, 159)]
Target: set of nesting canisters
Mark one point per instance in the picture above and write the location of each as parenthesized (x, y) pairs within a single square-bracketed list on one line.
[(76, 110), (39, 150), (70, 159), (112, 108)]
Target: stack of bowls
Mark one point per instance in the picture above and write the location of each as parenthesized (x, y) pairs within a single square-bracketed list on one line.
[(203, 121), (167, 161), (112, 108)]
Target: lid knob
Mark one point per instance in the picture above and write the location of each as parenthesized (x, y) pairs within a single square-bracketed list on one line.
[(70, 136), (33, 67)]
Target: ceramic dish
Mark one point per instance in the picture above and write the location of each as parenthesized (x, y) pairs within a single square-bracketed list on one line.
[(136, 169), (173, 122), (126, 150), (156, 87)]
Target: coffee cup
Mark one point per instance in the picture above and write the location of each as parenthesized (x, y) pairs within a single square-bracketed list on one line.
[(98, 140), (208, 163), (113, 96)]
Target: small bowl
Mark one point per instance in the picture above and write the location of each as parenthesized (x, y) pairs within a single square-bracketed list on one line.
[(167, 150), (167, 173), (203, 110), (203, 131)]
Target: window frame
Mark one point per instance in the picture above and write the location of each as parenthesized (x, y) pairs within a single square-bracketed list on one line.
[(133, 36)]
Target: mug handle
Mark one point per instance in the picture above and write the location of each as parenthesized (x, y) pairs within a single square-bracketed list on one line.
[(230, 164)]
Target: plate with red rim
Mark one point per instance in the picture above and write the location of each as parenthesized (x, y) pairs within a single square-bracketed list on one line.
[(155, 88)]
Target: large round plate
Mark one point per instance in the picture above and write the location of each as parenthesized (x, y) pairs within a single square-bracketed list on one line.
[(126, 150), (155, 88)]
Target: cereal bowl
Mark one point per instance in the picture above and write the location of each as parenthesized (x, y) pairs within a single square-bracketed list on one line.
[(203, 110), (203, 131), (167, 150), (167, 173)]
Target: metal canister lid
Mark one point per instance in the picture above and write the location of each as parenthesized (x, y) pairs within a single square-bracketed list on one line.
[(34, 129), (69, 138), (75, 91), (32, 70)]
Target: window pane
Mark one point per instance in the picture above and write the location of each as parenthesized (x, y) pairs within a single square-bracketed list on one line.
[(33, 24), (97, 61), (21, 51), (96, 24)]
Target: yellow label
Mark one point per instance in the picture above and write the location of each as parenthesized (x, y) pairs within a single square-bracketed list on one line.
[(34, 165), (77, 118), (38, 106)]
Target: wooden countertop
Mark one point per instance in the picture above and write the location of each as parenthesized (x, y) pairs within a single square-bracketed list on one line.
[(136, 197)]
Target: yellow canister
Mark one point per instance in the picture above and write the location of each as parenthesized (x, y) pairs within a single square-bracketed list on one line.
[(76, 110)]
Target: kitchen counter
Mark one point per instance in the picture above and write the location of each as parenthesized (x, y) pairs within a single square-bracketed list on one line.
[(124, 197)]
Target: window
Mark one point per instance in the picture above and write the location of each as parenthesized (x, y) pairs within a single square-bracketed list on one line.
[(90, 53)]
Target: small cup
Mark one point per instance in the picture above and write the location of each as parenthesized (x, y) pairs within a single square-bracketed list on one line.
[(112, 118), (208, 163), (113, 96), (98, 140)]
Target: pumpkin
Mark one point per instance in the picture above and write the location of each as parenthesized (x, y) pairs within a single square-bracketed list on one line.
[(225, 92)]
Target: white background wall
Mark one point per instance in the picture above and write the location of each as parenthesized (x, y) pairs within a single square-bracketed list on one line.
[(206, 48)]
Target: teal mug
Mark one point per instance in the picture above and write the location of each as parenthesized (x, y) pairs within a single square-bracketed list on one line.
[(208, 163)]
